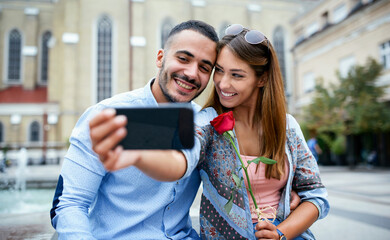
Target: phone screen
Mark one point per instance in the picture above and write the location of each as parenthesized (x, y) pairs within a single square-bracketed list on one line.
[(158, 128)]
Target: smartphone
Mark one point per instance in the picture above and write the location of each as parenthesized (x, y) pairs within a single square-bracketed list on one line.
[(163, 127)]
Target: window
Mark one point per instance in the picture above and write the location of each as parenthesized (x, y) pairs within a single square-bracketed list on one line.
[(384, 50), (339, 13), (104, 58), (45, 57), (311, 29), (279, 48), (309, 82), (345, 65), (14, 56), (165, 30), (34, 131), (1, 133)]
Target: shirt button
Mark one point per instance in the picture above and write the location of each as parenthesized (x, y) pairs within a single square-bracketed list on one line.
[(177, 183)]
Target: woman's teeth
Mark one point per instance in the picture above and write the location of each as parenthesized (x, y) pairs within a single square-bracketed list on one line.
[(227, 94)]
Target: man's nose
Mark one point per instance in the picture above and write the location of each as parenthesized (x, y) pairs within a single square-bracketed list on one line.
[(191, 71)]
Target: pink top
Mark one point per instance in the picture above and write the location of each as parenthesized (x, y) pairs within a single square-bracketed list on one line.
[(266, 191)]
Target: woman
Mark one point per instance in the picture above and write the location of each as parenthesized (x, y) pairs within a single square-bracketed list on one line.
[(248, 81)]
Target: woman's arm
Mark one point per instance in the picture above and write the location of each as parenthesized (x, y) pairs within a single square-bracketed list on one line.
[(296, 223)]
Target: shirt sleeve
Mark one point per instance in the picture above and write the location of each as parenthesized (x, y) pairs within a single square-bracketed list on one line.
[(307, 181), (78, 184), (202, 139)]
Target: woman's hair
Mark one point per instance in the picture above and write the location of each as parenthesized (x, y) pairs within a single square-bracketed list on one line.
[(271, 103)]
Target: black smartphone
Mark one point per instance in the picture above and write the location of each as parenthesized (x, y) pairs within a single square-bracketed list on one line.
[(163, 127)]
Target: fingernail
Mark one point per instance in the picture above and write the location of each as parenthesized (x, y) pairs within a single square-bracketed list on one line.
[(109, 111), (120, 119)]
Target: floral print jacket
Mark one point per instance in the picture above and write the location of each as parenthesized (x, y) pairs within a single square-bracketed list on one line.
[(216, 160)]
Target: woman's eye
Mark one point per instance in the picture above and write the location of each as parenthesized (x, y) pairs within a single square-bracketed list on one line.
[(237, 75), (217, 69)]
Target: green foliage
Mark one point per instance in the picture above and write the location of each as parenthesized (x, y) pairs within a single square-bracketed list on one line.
[(352, 107), (338, 146), (263, 160)]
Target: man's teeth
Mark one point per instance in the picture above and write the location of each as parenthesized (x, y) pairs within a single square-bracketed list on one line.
[(181, 84), (227, 94)]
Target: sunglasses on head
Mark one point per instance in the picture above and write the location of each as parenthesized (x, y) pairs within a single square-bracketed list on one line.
[(252, 36)]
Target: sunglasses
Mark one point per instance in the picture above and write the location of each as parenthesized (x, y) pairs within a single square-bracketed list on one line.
[(252, 36)]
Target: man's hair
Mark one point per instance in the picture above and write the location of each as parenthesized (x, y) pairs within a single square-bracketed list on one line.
[(194, 25)]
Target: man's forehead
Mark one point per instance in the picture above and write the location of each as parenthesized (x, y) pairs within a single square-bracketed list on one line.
[(195, 43)]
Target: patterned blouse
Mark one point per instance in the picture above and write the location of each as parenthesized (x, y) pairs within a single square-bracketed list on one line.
[(216, 161)]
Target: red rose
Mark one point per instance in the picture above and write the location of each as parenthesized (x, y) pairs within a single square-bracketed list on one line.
[(224, 122)]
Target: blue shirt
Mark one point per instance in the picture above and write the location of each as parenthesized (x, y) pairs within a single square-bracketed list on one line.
[(91, 203)]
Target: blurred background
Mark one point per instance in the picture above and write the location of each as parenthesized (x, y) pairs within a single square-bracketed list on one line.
[(58, 57)]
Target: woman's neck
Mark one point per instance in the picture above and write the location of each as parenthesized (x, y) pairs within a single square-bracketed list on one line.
[(244, 115)]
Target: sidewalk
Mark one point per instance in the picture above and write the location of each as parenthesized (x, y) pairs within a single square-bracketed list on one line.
[(359, 199)]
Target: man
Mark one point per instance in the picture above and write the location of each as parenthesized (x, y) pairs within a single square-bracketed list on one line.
[(92, 203)]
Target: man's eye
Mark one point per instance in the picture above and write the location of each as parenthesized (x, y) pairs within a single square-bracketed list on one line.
[(182, 59), (205, 69)]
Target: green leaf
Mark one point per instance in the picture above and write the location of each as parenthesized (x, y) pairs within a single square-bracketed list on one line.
[(263, 160), (228, 206), (237, 180)]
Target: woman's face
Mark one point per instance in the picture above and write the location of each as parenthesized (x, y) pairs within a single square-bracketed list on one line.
[(235, 81)]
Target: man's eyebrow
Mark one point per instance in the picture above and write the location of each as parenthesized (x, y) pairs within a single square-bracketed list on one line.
[(192, 55), (185, 52)]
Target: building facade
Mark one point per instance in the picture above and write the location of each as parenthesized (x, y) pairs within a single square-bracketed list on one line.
[(58, 57), (334, 36)]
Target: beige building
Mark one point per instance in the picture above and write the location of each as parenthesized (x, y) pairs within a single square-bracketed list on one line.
[(334, 36), (60, 56)]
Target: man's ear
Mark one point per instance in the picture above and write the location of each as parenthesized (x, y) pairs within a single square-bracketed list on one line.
[(262, 80), (160, 57)]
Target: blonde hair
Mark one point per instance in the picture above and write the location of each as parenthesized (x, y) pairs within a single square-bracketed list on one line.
[(271, 103)]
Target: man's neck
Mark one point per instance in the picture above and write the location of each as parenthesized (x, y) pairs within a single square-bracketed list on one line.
[(157, 92)]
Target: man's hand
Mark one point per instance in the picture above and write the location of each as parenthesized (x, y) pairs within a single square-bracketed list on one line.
[(106, 131), (295, 200)]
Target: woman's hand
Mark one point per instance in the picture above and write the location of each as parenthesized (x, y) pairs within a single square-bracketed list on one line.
[(266, 230)]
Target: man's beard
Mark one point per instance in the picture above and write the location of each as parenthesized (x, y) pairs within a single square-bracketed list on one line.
[(163, 82)]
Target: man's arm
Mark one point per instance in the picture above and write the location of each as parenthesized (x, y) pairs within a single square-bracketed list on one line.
[(107, 130), (76, 188)]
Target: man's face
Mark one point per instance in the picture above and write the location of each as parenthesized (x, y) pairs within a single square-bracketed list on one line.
[(185, 68)]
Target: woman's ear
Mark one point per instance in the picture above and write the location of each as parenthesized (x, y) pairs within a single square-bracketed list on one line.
[(262, 80), (160, 57)]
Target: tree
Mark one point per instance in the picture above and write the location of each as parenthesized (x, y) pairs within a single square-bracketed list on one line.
[(354, 106)]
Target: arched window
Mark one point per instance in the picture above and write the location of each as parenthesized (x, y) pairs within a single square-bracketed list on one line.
[(14, 56), (104, 58), (166, 28), (1, 133), (34, 131), (45, 57), (279, 48)]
